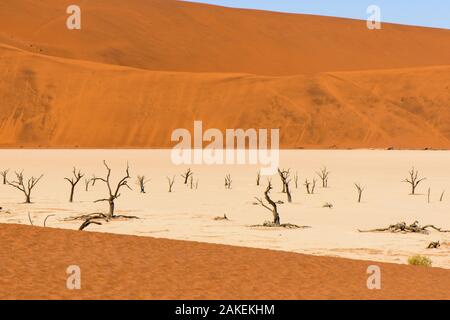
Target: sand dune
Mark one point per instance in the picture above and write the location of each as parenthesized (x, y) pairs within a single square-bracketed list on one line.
[(57, 102), (169, 35), (35, 260), (139, 69)]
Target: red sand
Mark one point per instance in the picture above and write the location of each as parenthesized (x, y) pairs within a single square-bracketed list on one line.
[(168, 35), (271, 70), (34, 262), (133, 108)]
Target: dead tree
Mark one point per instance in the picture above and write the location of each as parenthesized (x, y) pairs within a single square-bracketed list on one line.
[(141, 182), (313, 187), (442, 196), (310, 187), (186, 175), (191, 182), (171, 182), (284, 176), (307, 185), (74, 181), (26, 188), (4, 175), (113, 194), (323, 175), (258, 178), (228, 181), (429, 194), (93, 179), (360, 190), (413, 180), (87, 182), (273, 206), (288, 191), (296, 180), (285, 179)]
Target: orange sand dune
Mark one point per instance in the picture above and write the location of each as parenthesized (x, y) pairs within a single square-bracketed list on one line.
[(34, 262), (168, 35), (57, 102), (139, 69)]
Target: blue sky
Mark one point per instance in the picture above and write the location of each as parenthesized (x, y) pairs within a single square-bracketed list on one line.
[(430, 13)]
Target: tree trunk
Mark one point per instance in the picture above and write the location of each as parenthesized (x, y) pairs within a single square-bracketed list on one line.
[(289, 196), (72, 190), (111, 208), (28, 198), (276, 217)]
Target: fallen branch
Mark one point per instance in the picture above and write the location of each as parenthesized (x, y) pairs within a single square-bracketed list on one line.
[(434, 245), (96, 217), (402, 227), (45, 220), (270, 224), (221, 218), (328, 205), (87, 223), (29, 218)]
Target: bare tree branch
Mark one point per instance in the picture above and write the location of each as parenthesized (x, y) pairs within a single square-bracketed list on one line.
[(74, 181), (273, 208), (228, 181), (186, 175), (171, 182), (141, 182), (113, 195), (360, 190), (323, 175), (285, 179), (413, 180), (4, 174), (27, 188)]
